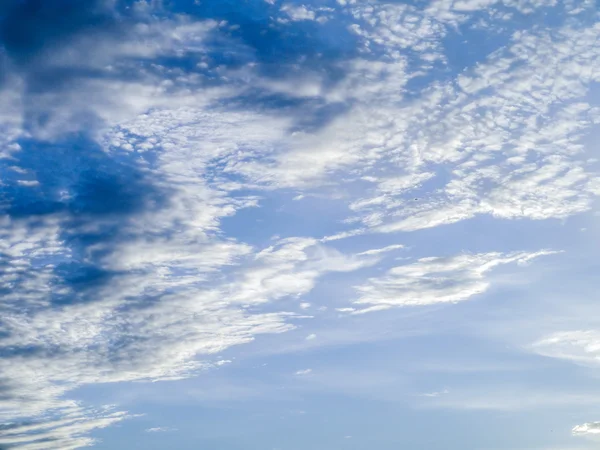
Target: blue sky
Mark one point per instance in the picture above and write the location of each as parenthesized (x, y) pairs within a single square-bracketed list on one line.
[(268, 224)]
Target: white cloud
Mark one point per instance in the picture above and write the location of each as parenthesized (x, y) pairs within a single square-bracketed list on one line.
[(68, 432), (378, 251), (117, 334), (455, 12), (502, 151), (579, 346), (28, 183), (311, 337), (160, 429), (503, 139), (515, 398), (434, 280), (303, 372), (174, 255), (111, 99), (590, 428), (343, 235), (300, 12), (435, 394)]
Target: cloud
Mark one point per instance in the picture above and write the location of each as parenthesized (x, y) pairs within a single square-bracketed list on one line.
[(503, 162), (343, 235), (590, 428), (128, 138), (56, 54), (159, 430), (67, 432), (298, 12), (482, 156), (517, 399), (114, 264), (435, 394), (377, 251), (394, 27), (41, 26), (304, 372), (100, 292), (578, 346), (434, 280)]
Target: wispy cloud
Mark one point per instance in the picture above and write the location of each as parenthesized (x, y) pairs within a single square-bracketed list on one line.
[(67, 430), (590, 428), (579, 346), (434, 280), (160, 429)]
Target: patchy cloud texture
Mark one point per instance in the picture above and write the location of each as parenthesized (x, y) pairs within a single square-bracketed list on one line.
[(185, 180)]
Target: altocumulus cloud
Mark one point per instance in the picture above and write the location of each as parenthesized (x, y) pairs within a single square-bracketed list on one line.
[(127, 140)]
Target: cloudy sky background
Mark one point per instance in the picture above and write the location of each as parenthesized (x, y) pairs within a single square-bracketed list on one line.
[(299, 225)]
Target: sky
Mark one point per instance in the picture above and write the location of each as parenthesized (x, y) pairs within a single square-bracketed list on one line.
[(281, 225)]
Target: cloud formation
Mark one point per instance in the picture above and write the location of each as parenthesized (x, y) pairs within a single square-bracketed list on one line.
[(590, 428), (434, 280), (67, 430), (130, 135), (579, 346)]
